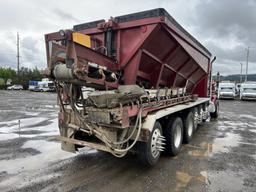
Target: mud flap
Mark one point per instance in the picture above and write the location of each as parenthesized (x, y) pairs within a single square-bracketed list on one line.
[(69, 147), (69, 133)]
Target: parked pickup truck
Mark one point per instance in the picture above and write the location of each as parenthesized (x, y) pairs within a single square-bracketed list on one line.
[(227, 91), (248, 91)]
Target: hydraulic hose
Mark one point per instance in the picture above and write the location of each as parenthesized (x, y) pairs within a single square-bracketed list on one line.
[(130, 136), (122, 152), (110, 144), (75, 109)]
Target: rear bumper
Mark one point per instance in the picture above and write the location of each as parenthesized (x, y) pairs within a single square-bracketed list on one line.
[(248, 97), (226, 97), (72, 141)]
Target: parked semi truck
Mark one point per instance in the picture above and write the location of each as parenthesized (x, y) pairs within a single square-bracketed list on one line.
[(152, 83)]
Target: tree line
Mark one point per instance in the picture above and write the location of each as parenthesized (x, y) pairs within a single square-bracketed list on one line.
[(236, 77), (25, 74)]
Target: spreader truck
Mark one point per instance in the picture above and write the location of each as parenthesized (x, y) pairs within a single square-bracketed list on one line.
[(136, 83)]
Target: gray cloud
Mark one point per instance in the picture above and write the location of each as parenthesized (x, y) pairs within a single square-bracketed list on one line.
[(237, 53), (227, 18), (225, 27), (65, 15)]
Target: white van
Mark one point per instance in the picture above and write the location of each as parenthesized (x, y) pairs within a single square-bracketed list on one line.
[(45, 86), (227, 91), (248, 91)]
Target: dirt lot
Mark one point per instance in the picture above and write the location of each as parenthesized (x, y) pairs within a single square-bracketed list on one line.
[(221, 157)]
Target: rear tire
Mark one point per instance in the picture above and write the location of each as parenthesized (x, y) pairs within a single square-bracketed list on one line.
[(147, 150), (174, 136), (215, 114), (196, 116), (188, 122)]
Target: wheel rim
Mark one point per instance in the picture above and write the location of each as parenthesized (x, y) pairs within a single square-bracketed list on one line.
[(177, 136), (190, 127), (157, 142), (195, 118), (202, 113)]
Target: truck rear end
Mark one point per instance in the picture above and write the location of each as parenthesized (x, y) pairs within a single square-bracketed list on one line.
[(151, 79)]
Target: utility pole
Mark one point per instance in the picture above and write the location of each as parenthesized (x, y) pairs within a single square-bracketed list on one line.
[(247, 61), (241, 73), (18, 54)]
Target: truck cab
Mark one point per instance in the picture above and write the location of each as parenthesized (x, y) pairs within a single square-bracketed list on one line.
[(248, 91), (227, 90)]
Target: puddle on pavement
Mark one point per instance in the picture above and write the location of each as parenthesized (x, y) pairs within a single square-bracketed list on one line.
[(223, 145), (24, 180), (252, 130), (42, 108), (235, 125), (225, 181), (50, 152), (248, 116), (21, 167), (219, 145), (215, 181), (183, 179), (10, 129)]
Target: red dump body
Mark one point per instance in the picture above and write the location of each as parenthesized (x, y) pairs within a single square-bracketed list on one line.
[(149, 48)]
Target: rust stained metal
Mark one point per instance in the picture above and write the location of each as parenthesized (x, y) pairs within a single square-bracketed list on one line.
[(84, 143)]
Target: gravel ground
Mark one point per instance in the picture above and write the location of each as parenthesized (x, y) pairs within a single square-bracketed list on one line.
[(221, 157)]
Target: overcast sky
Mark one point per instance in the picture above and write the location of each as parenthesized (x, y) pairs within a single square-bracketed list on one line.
[(225, 27)]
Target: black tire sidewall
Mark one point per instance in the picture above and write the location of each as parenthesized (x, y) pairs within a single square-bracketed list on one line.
[(144, 148), (195, 124), (189, 117), (170, 149), (215, 114)]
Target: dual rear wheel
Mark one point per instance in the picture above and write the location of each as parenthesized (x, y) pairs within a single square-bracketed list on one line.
[(168, 140)]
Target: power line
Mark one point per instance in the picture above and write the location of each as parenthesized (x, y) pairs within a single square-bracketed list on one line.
[(247, 61), (18, 53), (241, 73)]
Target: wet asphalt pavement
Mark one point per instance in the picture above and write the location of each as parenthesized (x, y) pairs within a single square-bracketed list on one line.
[(221, 156)]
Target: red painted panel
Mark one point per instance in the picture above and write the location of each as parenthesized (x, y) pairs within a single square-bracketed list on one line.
[(153, 50), (159, 44), (186, 69), (179, 58), (131, 40)]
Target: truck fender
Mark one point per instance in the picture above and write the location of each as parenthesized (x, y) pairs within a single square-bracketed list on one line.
[(149, 122)]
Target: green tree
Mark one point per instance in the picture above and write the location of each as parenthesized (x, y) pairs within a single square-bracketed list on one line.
[(26, 74), (7, 73)]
